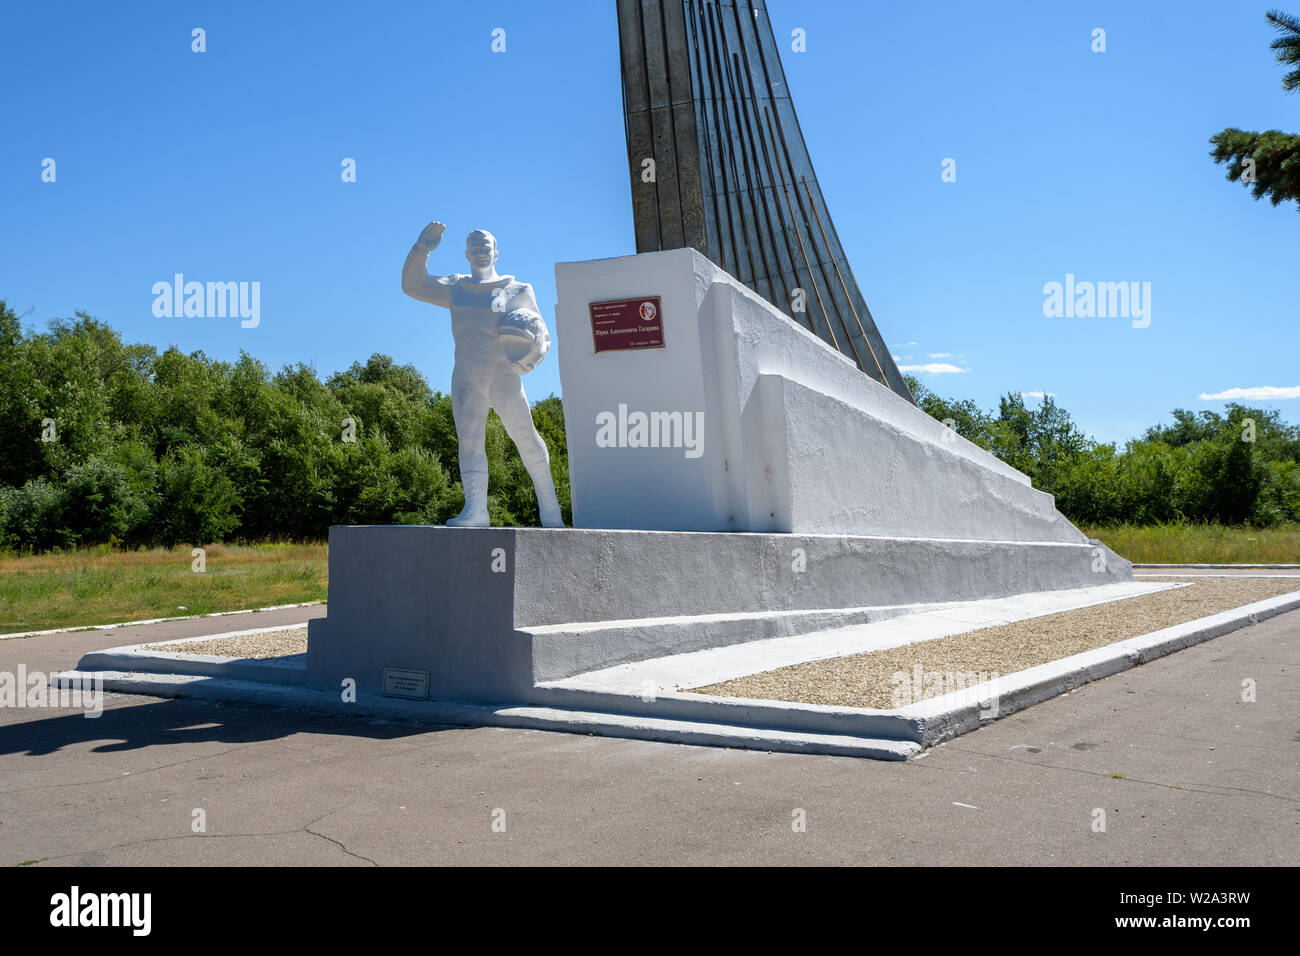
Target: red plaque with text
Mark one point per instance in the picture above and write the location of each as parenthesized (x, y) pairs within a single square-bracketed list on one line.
[(621, 324)]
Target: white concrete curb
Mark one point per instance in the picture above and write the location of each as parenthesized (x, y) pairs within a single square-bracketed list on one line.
[(1175, 567), (144, 657), (1190, 576)]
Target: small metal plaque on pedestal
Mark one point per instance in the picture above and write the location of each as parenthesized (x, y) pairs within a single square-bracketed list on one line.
[(413, 685), (622, 324)]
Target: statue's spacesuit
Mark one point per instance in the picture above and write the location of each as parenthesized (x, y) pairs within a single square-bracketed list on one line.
[(487, 373)]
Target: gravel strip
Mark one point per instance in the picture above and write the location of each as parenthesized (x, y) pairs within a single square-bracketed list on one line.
[(246, 646), (869, 680)]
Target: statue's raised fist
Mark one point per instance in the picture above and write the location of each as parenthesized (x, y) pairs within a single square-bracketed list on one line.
[(432, 234)]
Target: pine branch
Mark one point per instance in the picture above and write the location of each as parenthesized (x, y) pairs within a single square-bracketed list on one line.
[(1287, 46), (1274, 162)]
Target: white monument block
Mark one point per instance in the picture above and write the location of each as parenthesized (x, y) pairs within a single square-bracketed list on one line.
[(720, 414)]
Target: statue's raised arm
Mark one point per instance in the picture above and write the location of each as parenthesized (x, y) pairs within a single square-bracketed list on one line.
[(416, 281)]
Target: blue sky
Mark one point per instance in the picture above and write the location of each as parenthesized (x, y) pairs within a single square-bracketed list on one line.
[(225, 165)]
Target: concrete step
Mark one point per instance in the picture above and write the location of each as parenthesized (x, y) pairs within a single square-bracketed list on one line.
[(563, 650), (453, 713)]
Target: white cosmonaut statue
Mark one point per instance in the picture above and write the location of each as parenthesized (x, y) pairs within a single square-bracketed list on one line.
[(499, 336)]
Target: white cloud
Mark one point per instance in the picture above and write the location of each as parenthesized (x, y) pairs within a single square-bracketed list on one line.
[(941, 355), (906, 345), (1037, 394), (1258, 392), (933, 368)]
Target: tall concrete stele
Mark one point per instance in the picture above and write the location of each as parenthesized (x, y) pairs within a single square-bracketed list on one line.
[(734, 474)]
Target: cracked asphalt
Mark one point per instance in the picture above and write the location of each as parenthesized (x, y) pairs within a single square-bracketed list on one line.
[(1184, 771)]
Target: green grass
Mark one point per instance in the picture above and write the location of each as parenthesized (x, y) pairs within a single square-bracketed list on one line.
[(1201, 544), (102, 586)]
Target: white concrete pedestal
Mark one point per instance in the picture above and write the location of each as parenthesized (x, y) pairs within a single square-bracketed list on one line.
[(487, 613)]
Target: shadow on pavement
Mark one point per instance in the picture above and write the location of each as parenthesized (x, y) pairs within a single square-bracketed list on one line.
[(184, 721)]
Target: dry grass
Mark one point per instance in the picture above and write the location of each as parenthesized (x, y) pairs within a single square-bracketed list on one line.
[(1201, 544), (100, 586), (869, 680)]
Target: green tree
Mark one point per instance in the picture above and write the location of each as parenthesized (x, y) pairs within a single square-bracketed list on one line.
[(1268, 161), (199, 503), (20, 411), (1039, 442), (102, 503), (33, 516)]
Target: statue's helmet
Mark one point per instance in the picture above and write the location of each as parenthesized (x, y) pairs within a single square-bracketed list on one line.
[(524, 336)]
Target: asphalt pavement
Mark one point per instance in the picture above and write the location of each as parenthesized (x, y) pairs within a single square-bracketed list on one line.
[(1164, 764)]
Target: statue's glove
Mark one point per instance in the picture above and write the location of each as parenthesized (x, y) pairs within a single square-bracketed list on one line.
[(526, 339)]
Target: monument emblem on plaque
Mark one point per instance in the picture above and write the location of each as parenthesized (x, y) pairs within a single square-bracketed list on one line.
[(500, 336)]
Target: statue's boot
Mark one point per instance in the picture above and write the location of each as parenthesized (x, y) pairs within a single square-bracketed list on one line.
[(547, 504), (537, 461), (475, 513)]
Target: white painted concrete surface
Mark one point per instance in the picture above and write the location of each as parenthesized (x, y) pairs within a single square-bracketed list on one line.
[(796, 438), (489, 612)]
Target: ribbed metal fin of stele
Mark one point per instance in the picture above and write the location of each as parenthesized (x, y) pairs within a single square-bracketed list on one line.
[(705, 97)]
